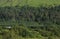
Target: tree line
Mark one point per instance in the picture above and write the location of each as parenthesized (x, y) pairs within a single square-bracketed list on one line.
[(27, 13)]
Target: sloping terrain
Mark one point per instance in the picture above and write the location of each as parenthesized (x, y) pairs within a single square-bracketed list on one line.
[(29, 19)]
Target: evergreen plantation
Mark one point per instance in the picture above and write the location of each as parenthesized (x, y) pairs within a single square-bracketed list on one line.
[(29, 19)]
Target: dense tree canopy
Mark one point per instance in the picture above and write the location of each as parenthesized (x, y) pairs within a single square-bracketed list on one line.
[(27, 13), (48, 17)]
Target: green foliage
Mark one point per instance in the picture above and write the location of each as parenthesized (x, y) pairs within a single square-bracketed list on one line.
[(30, 15), (29, 22)]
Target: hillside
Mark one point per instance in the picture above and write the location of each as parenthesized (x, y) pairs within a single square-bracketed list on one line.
[(29, 19), (29, 2)]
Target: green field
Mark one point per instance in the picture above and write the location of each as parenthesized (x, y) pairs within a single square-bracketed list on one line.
[(34, 3)]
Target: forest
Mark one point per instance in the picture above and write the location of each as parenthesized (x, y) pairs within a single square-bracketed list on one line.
[(29, 22)]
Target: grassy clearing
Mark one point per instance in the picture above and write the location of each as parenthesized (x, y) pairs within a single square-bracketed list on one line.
[(29, 2)]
